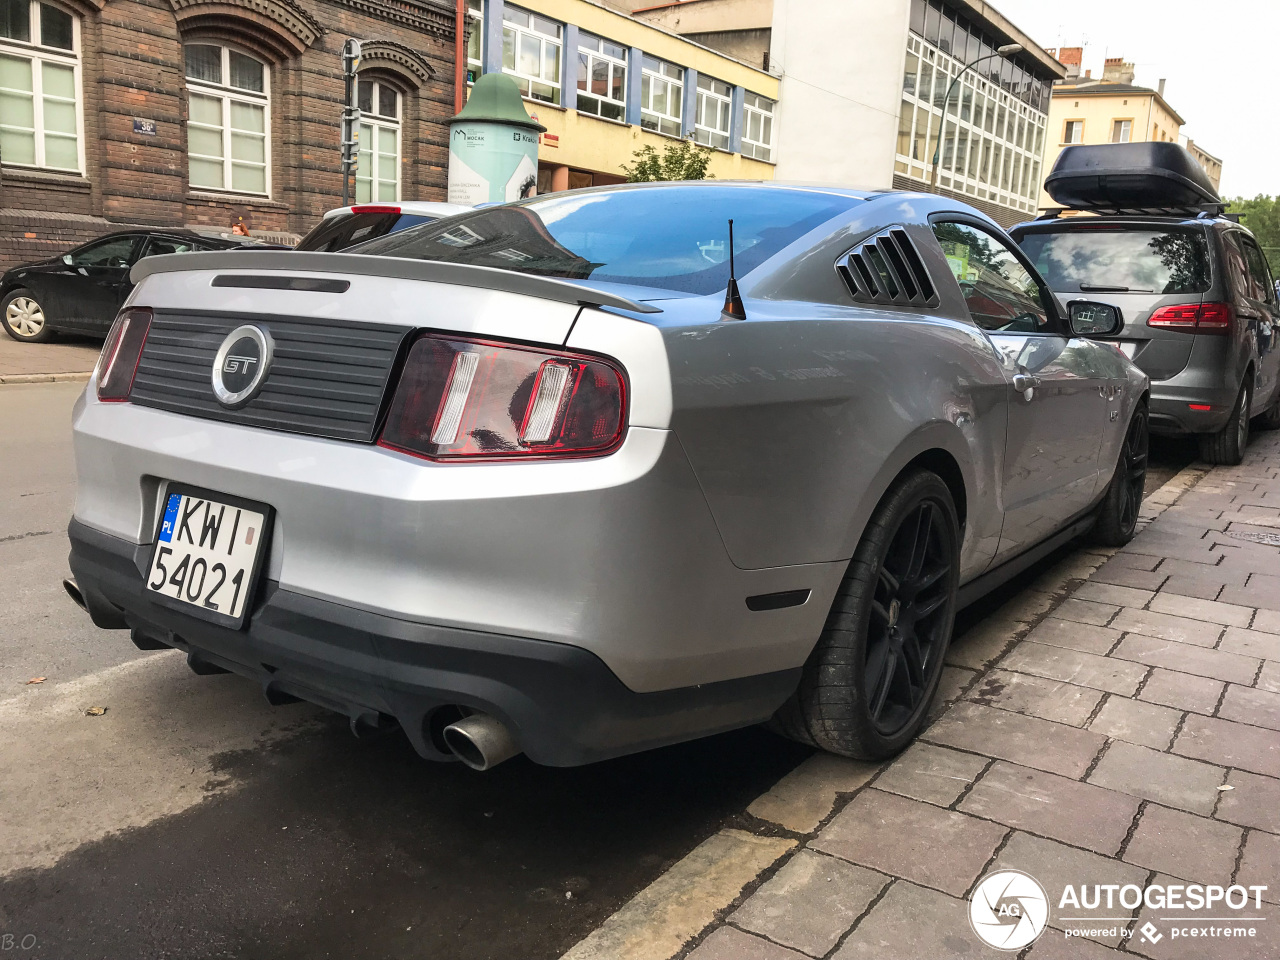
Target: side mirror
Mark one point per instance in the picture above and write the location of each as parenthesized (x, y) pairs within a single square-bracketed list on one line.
[(1090, 319)]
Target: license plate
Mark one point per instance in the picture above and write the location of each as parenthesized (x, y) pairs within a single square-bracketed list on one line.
[(208, 552), (1127, 347)]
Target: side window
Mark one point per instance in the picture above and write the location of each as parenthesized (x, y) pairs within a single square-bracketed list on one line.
[(116, 252), (1237, 265), (1263, 288), (158, 246), (1000, 292)]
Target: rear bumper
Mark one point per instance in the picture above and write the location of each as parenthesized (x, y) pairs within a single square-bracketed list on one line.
[(563, 704), (1210, 377)]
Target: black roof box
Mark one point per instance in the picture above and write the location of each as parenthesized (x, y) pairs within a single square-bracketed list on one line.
[(1124, 177)]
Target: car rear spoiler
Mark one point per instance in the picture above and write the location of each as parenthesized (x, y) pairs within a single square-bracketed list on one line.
[(464, 275)]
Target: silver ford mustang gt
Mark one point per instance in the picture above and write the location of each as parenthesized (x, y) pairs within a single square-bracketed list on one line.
[(598, 472)]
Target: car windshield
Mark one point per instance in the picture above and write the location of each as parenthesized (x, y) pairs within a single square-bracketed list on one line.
[(1086, 258), (674, 237), (341, 230)]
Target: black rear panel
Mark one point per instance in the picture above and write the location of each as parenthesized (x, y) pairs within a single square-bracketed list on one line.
[(327, 379)]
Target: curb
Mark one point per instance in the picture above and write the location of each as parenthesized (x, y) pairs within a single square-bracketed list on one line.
[(45, 377), (642, 928)]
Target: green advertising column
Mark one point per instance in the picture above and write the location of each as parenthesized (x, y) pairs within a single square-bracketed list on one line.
[(493, 145)]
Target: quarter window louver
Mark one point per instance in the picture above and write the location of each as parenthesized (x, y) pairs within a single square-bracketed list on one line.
[(887, 268)]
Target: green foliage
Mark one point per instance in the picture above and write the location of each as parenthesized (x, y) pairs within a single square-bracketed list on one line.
[(1262, 216), (679, 160)]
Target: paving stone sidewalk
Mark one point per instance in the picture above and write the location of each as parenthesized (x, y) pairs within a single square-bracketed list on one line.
[(1089, 745), (70, 358)]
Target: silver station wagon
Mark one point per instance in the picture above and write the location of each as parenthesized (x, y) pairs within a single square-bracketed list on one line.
[(600, 471)]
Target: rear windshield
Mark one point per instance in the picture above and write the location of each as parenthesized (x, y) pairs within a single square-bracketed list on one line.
[(1085, 259), (675, 237), (345, 229)]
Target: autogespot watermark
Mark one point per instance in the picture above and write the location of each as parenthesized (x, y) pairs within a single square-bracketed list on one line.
[(1010, 909)]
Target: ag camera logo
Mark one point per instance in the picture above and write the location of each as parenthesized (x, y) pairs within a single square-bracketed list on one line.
[(1008, 910)]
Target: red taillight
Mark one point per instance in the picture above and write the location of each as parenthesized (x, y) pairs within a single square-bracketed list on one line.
[(121, 353), (1194, 318), (482, 400), (374, 208)]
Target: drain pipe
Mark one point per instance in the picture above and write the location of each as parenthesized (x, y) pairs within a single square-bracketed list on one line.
[(480, 741)]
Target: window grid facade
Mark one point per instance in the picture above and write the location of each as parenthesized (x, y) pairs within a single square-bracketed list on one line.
[(378, 155), (757, 127), (715, 108), (994, 137), (40, 102), (531, 53), (602, 77), (228, 126), (661, 96)]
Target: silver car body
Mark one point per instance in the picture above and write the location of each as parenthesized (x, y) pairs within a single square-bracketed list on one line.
[(754, 454)]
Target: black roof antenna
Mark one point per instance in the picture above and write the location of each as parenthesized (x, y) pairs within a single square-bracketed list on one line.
[(733, 308)]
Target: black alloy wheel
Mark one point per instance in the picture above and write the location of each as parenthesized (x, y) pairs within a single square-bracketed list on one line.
[(909, 627), (867, 686), (1117, 520)]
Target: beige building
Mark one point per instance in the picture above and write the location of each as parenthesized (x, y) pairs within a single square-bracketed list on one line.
[(1111, 110), (1212, 165)]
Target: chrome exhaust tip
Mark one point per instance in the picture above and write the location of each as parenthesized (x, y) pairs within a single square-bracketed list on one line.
[(480, 741), (73, 591)]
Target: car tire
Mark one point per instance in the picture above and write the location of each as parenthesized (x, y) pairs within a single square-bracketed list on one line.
[(1226, 447), (1117, 519), (23, 317), (1269, 419), (866, 688)]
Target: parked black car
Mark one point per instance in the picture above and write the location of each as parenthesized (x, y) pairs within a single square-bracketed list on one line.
[(1200, 307), (81, 291)]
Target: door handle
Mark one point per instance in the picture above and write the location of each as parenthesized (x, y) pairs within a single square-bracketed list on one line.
[(1022, 382)]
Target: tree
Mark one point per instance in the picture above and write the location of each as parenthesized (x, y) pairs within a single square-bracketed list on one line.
[(1262, 216), (680, 160)]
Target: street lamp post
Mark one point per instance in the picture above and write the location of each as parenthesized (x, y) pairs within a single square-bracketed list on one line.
[(1008, 50)]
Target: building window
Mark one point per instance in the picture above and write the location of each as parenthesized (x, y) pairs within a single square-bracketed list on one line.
[(40, 106), (995, 124), (475, 39), (531, 53), (715, 107), (757, 127), (1073, 132), (1121, 131), (229, 120), (378, 166), (661, 96), (602, 77)]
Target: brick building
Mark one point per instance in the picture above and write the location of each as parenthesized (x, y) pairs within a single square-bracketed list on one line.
[(196, 112)]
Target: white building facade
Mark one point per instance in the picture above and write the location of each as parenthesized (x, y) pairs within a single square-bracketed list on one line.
[(863, 85)]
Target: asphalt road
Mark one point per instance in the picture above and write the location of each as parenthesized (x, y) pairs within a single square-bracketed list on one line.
[(193, 821)]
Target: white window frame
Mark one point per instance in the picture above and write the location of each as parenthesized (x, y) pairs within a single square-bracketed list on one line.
[(978, 175), (675, 94), (376, 122), (1068, 128), (38, 54), (226, 95), (708, 98), (594, 54), (1121, 131), (475, 21), (753, 106), (521, 32)]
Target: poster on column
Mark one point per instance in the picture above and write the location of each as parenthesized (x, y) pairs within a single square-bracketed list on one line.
[(492, 163)]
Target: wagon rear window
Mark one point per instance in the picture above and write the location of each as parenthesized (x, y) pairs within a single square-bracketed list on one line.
[(1140, 260), (675, 238)]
